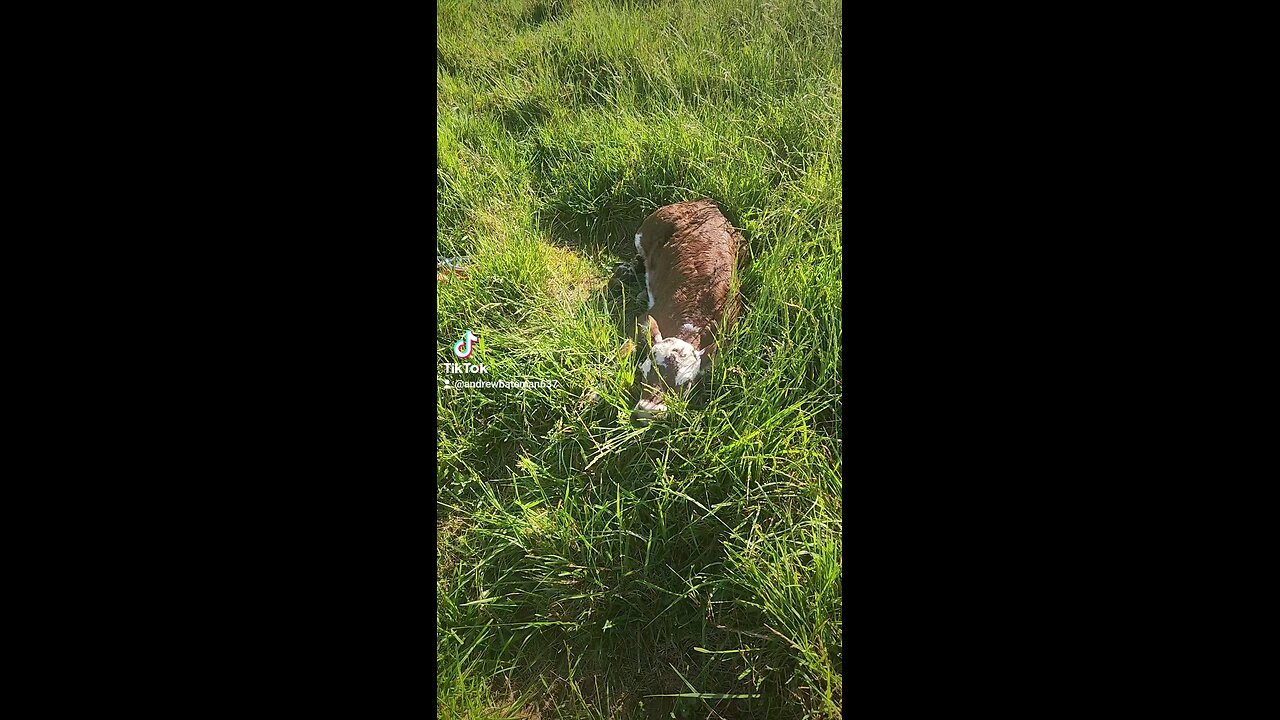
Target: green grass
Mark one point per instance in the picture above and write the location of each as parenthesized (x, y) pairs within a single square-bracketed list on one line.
[(587, 568)]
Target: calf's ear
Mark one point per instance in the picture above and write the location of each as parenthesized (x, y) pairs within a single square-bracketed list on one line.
[(654, 333)]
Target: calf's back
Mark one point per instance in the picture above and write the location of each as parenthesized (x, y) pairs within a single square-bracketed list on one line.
[(690, 253)]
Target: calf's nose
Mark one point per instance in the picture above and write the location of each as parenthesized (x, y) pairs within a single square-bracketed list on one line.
[(647, 410)]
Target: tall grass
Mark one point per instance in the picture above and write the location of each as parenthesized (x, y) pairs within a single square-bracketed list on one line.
[(588, 568)]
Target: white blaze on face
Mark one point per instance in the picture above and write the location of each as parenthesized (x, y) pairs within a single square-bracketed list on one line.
[(675, 356)]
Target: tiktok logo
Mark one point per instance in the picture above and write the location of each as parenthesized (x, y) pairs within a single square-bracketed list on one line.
[(462, 348)]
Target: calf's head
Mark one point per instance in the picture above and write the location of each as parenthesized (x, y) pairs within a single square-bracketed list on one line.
[(673, 365)]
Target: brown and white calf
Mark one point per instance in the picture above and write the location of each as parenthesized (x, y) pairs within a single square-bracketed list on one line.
[(690, 254)]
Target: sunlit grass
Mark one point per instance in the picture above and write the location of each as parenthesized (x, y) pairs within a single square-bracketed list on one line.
[(588, 568)]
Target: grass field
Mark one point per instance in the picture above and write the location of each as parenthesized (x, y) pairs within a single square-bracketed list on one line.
[(585, 567)]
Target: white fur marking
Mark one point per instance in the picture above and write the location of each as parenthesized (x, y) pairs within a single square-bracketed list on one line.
[(639, 251), (687, 361), (647, 367), (687, 327)]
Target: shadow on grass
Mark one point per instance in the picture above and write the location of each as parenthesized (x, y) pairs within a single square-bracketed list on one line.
[(525, 117), (611, 246), (594, 237), (633, 642)]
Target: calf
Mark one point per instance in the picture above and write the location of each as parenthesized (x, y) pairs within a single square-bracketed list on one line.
[(690, 253)]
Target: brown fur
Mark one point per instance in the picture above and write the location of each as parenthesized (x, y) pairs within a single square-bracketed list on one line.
[(690, 251)]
